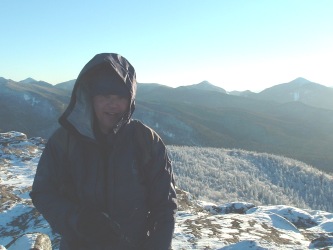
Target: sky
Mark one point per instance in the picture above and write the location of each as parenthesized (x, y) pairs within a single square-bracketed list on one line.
[(234, 44)]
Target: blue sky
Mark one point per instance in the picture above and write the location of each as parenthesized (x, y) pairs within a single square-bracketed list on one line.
[(234, 44)]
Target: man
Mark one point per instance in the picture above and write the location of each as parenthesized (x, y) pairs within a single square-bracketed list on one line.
[(105, 181)]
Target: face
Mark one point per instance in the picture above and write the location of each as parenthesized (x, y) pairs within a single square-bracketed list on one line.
[(109, 109)]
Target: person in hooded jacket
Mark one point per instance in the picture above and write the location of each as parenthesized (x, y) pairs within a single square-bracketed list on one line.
[(104, 181)]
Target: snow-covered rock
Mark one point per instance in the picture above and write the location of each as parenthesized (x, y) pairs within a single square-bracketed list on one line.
[(35, 241), (228, 208), (298, 217)]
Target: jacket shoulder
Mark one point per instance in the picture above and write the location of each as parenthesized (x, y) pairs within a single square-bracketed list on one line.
[(145, 133), (147, 140), (59, 136), (62, 140), (146, 136)]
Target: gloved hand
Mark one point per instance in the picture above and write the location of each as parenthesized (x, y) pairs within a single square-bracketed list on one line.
[(95, 227)]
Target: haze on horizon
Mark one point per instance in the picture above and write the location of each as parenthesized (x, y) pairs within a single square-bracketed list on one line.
[(236, 45)]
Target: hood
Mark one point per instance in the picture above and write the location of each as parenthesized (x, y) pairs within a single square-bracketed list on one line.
[(79, 116)]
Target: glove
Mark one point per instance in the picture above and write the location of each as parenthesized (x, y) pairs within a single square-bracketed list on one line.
[(95, 227)]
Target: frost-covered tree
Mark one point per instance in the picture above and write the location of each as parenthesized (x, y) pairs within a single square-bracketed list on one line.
[(227, 175)]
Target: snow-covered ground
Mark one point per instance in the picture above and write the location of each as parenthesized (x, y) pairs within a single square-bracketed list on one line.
[(199, 225)]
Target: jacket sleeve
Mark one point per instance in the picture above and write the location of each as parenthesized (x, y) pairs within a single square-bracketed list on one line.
[(59, 211), (162, 197)]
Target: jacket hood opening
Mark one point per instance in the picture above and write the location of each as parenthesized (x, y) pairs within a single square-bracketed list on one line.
[(79, 115)]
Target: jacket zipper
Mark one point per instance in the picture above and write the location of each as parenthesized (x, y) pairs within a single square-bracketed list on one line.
[(113, 185)]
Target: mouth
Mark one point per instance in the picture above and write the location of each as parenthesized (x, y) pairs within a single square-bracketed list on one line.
[(111, 114)]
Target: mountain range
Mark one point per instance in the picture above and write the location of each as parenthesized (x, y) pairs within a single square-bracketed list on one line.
[(293, 119), (233, 225)]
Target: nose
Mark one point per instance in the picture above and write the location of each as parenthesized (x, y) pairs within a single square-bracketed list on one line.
[(111, 101)]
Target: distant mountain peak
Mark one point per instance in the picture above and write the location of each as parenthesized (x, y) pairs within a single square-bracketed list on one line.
[(300, 81), (246, 93), (28, 80), (205, 85), (68, 85), (2, 80)]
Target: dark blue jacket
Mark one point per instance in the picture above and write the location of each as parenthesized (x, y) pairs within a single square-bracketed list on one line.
[(127, 176)]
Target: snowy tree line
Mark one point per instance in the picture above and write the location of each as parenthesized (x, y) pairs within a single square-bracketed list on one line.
[(227, 175)]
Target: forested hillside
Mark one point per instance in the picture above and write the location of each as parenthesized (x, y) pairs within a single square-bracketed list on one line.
[(225, 175)]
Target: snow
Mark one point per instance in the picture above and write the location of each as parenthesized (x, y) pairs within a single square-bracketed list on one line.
[(246, 244), (293, 214), (327, 226), (296, 96), (25, 242), (27, 98)]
